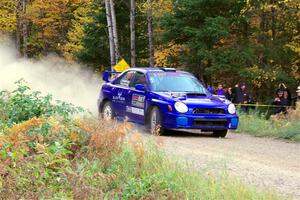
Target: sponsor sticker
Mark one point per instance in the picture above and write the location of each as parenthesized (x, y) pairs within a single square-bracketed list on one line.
[(137, 111), (138, 100)]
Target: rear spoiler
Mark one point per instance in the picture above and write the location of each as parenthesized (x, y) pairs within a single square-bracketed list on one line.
[(107, 75)]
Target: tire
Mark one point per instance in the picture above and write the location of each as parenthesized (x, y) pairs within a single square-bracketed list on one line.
[(220, 133), (107, 112), (155, 122)]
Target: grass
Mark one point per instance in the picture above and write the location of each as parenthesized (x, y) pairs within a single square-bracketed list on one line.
[(53, 155), (279, 126)]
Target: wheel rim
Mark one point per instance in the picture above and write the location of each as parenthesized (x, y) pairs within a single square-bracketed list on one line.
[(153, 123), (107, 112)]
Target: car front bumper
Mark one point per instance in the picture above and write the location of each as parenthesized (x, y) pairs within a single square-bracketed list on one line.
[(202, 122)]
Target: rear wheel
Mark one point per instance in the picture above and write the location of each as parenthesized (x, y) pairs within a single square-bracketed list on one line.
[(107, 111), (220, 133), (155, 122)]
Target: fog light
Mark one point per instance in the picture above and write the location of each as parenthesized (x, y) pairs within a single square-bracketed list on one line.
[(182, 121), (234, 122)]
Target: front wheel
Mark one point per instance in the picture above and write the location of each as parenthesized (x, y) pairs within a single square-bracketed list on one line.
[(107, 111), (155, 122), (220, 133)]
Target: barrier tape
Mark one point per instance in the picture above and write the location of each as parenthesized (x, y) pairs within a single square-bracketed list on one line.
[(262, 105)]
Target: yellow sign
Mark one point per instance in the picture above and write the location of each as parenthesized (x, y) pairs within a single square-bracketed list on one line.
[(121, 66)]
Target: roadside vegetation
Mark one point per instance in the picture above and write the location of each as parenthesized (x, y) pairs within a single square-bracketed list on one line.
[(54, 150), (285, 126)]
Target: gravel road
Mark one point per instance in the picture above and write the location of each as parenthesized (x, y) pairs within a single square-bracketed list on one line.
[(262, 162)]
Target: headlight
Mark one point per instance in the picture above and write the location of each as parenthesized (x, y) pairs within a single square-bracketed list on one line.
[(231, 109), (181, 107)]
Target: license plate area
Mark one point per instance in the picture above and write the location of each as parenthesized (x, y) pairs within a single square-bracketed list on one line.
[(210, 122)]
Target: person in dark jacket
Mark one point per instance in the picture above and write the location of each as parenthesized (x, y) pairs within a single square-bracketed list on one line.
[(234, 92), (241, 96), (229, 94), (286, 101), (277, 101), (283, 99)]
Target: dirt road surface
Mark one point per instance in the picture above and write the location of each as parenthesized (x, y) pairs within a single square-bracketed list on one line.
[(262, 162)]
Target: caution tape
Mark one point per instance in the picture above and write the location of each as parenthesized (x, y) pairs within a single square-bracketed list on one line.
[(262, 105)]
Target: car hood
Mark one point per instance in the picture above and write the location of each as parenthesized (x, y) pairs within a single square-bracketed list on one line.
[(194, 99)]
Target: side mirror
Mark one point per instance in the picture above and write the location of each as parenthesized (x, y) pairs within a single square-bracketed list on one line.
[(105, 76), (109, 75), (140, 87)]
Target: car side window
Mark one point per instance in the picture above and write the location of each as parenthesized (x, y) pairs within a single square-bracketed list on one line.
[(125, 79), (139, 78)]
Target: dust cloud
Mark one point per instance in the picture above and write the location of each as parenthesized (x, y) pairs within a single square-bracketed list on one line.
[(50, 75)]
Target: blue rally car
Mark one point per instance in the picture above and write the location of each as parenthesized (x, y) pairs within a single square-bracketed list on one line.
[(162, 98)]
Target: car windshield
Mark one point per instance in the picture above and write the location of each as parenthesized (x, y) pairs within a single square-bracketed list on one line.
[(175, 82)]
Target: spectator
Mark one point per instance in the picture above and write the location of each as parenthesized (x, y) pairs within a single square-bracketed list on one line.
[(221, 90), (229, 94), (278, 101), (282, 100), (286, 100), (297, 98), (242, 96), (235, 92)]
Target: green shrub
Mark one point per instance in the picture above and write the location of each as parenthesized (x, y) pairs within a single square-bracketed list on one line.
[(278, 126), (23, 104)]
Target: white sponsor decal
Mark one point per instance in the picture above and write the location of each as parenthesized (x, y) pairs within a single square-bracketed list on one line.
[(134, 110), (119, 97)]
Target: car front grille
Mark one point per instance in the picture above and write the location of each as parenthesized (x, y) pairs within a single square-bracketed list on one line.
[(208, 111), (209, 123)]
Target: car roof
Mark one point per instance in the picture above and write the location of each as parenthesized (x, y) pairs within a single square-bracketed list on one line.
[(156, 69)]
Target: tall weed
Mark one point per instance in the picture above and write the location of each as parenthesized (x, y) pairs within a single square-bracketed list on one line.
[(286, 126)]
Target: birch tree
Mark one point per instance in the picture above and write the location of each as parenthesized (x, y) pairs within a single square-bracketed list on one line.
[(132, 33), (110, 34), (115, 30)]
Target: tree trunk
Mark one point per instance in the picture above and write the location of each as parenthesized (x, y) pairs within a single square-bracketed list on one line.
[(150, 33), (132, 32), (110, 35), (24, 30), (18, 27), (115, 30)]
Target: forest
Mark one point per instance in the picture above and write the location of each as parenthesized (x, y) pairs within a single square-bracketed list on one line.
[(220, 41)]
